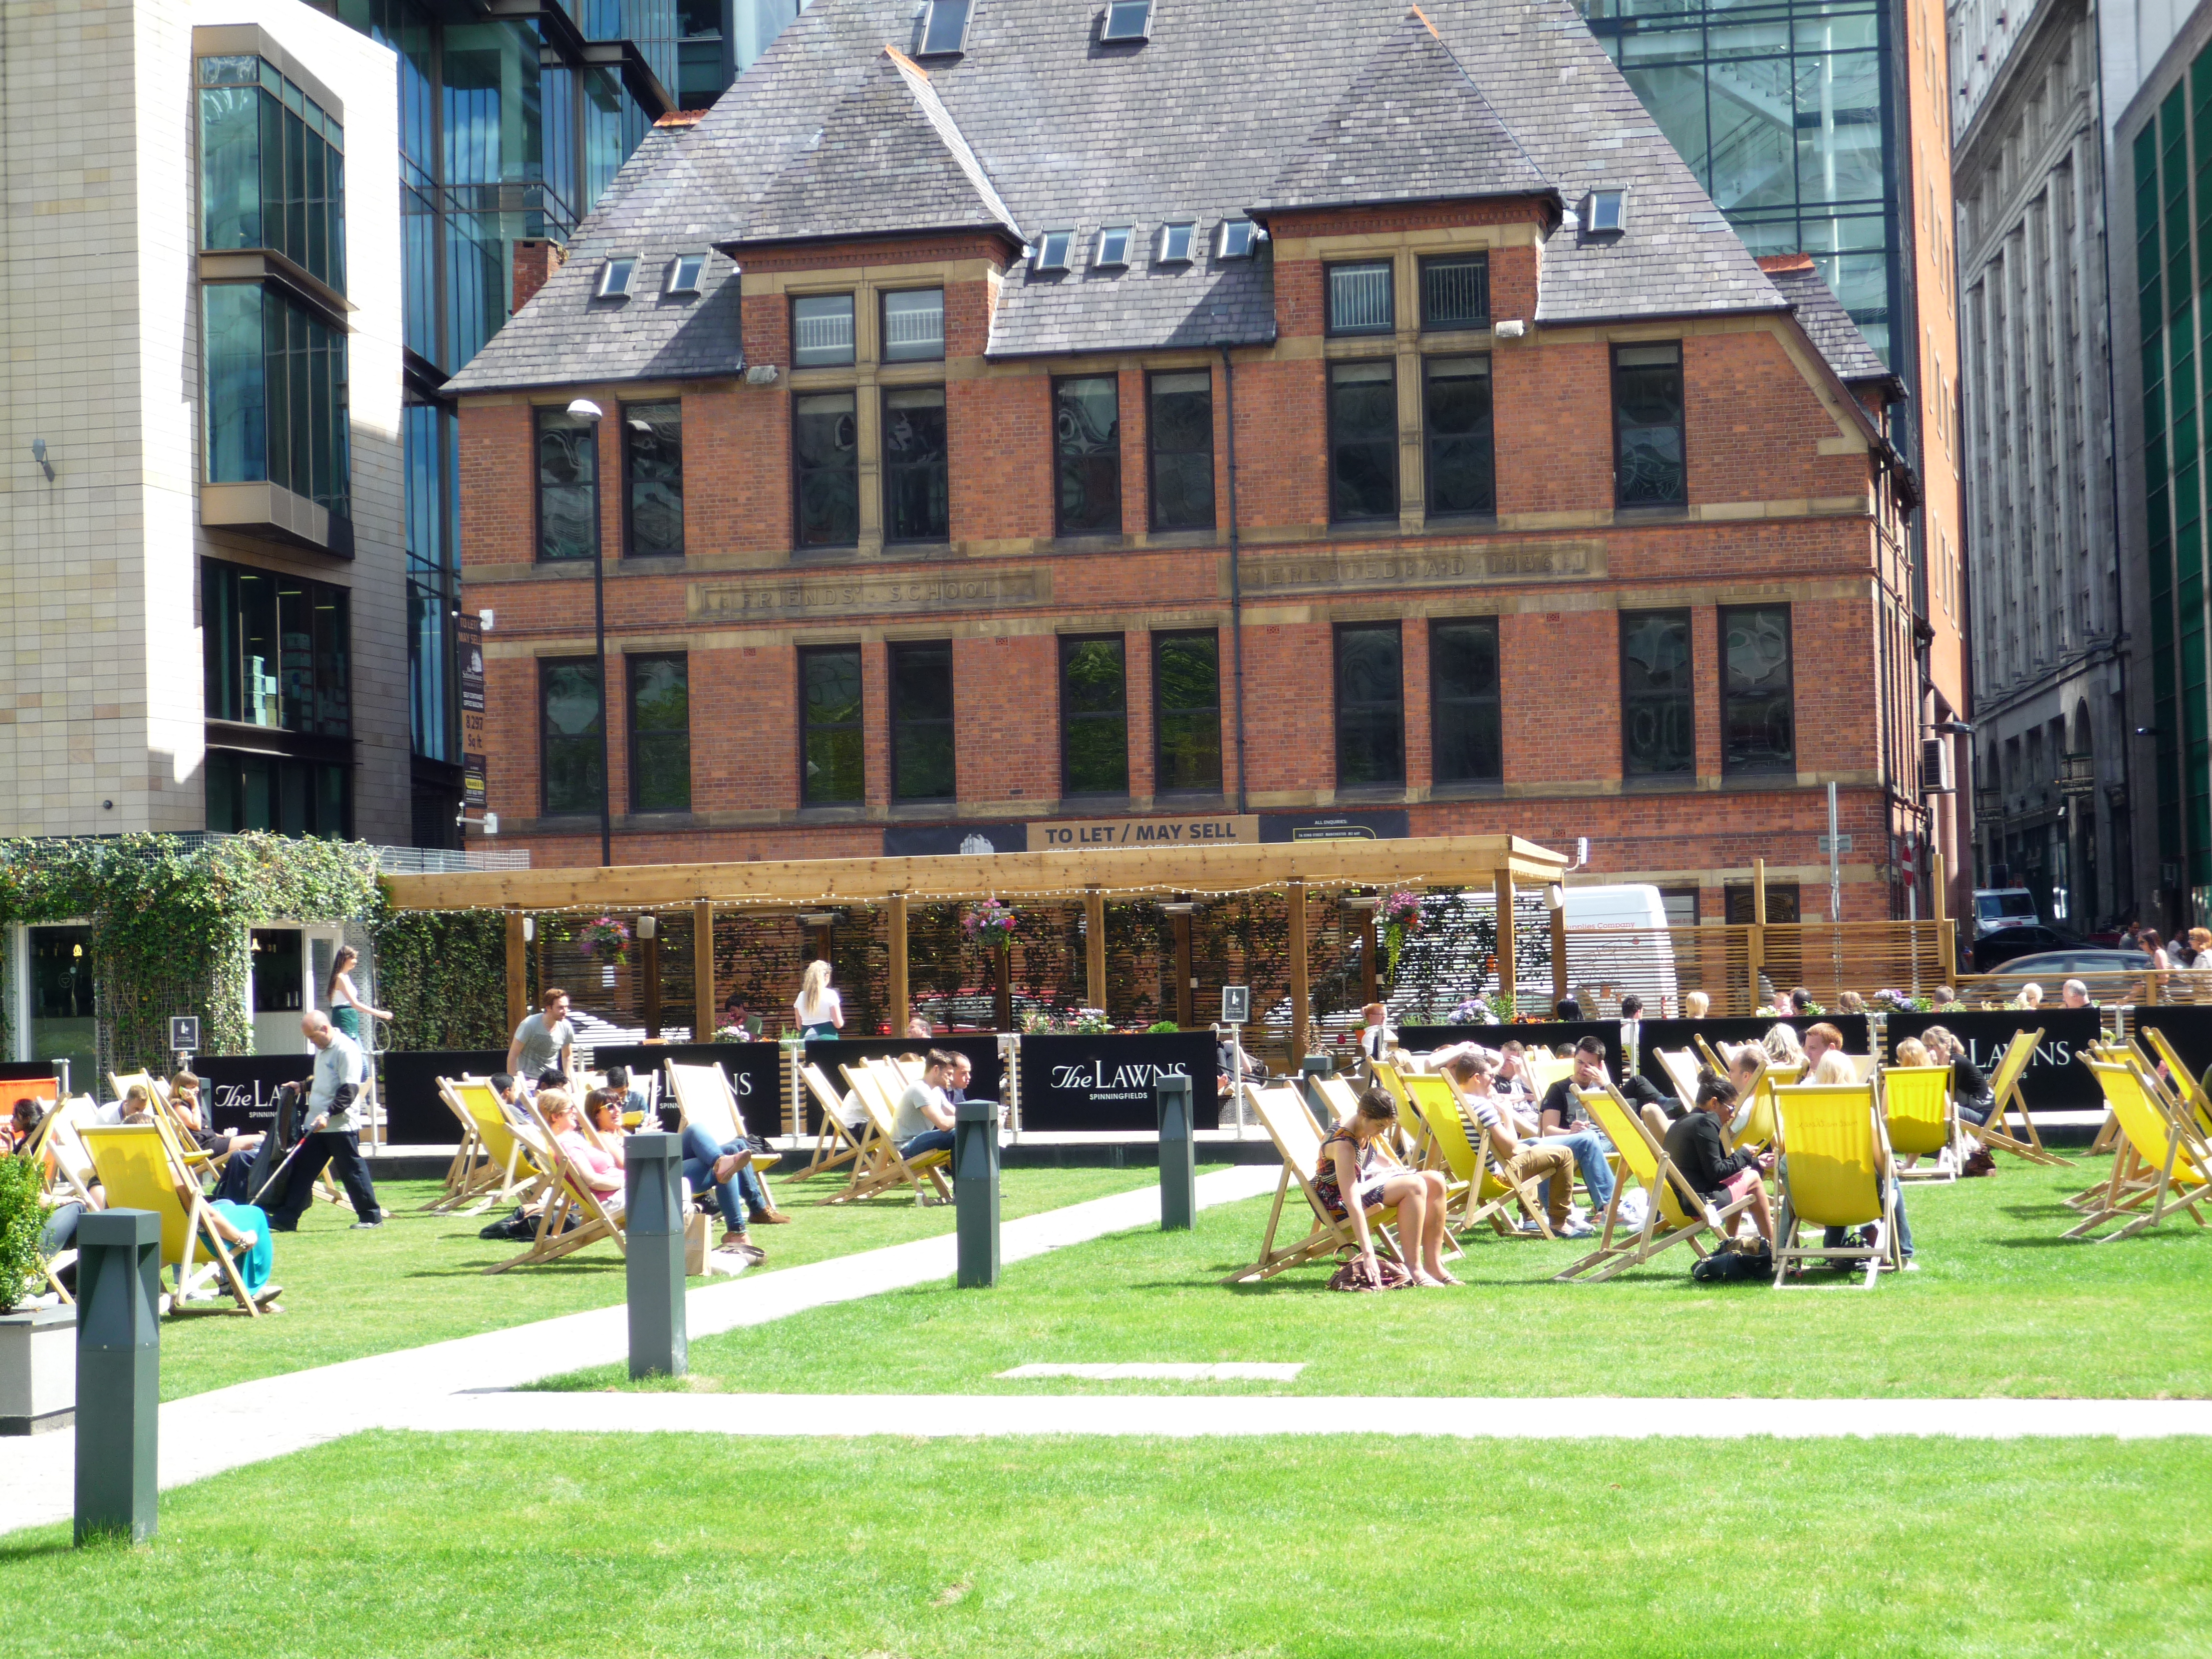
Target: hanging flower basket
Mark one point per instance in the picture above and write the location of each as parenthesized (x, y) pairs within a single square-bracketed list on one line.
[(1400, 915), (605, 940), (990, 920)]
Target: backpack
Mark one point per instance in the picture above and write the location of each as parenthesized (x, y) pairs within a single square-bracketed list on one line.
[(1726, 1265)]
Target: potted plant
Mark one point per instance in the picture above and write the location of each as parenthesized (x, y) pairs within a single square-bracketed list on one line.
[(1400, 916), (38, 1345), (995, 922)]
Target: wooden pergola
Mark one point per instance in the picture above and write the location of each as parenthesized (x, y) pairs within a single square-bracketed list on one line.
[(1093, 876)]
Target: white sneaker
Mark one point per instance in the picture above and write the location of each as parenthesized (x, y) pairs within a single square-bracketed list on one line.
[(1576, 1230)]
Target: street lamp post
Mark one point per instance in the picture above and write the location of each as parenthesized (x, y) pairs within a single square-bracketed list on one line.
[(585, 410)]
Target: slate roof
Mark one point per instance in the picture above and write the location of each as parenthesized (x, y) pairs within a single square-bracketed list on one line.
[(1822, 316), (1411, 127), (889, 161), (1202, 122)]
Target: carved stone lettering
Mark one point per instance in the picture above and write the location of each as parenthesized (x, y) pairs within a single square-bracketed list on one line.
[(1427, 567), (842, 594)]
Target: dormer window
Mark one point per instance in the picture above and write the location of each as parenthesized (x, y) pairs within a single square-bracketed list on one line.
[(615, 277), (1605, 213), (1127, 21), (684, 272), (1052, 249), (944, 30), (1174, 243), (1114, 245), (1238, 238)]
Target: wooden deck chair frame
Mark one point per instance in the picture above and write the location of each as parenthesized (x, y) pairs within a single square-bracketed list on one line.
[(2168, 1140), (1480, 1192), (567, 1191), (2005, 1096), (835, 1146), (1280, 1113), (1903, 1085), (2187, 1087), (61, 1132), (1788, 1252), (1683, 1220), (517, 1175), (1682, 1068), (466, 1169), (881, 1167), (188, 1247)]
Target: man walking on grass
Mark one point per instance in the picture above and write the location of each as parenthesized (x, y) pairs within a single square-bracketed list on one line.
[(331, 1139)]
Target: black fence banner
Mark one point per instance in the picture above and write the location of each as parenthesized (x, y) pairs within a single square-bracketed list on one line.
[(2054, 1082), (755, 1071), (1546, 1035), (240, 1090), (2188, 1029), (413, 1114), (1106, 1081), (982, 1049), (1653, 1034)]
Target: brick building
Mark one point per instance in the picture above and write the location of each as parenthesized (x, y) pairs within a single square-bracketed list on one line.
[(1027, 413)]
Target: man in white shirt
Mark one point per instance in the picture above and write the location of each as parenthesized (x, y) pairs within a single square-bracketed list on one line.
[(925, 1116), (341, 1070)]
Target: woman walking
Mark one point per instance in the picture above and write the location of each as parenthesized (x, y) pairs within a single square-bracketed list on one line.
[(821, 1011), (348, 1007)]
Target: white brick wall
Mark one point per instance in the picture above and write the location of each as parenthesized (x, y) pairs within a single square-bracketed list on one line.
[(100, 675)]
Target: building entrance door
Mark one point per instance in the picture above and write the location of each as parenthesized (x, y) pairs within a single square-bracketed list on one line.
[(280, 990), (61, 1026)]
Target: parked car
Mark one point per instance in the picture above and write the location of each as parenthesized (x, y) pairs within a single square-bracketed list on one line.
[(1994, 952), (2047, 966)]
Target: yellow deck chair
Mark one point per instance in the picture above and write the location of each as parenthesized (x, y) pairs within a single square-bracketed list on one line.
[(881, 1167), (1545, 1070), (835, 1146), (517, 1156), (1476, 1187), (2187, 1086), (473, 1172), (2004, 1090), (141, 1168), (1673, 1214), (2167, 1142), (1833, 1151), (568, 1192), (1299, 1144), (1917, 1115)]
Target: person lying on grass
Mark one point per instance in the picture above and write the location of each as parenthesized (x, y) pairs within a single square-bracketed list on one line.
[(1719, 1177), (1354, 1161), (1550, 1165)]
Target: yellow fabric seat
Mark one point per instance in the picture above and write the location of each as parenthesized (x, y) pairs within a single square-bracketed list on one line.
[(1833, 1153)]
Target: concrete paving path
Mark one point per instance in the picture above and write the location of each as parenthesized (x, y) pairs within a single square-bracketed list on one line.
[(206, 1434)]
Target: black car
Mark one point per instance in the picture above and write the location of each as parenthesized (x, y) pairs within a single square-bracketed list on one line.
[(1990, 952)]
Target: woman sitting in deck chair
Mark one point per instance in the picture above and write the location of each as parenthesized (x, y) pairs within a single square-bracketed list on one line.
[(1354, 1160), (1835, 1067), (1693, 1145), (601, 1169)]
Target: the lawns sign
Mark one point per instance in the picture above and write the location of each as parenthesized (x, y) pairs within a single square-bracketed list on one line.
[(1107, 1082)]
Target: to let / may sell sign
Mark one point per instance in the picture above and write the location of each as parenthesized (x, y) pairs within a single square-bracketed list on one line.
[(1074, 833), (468, 648)]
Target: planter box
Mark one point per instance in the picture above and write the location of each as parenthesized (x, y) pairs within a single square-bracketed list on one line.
[(38, 1371)]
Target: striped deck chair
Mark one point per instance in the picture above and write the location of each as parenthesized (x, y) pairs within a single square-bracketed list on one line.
[(1918, 1116), (1833, 1154), (2167, 1140), (1997, 1135), (837, 1144), (1299, 1144), (142, 1167), (881, 1167), (1673, 1213), (568, 1195)]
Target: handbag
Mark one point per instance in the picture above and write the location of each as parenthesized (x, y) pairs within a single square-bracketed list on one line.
[(1351, 1275)]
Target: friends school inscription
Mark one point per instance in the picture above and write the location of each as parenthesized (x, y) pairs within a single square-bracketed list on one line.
[(1427, 567)]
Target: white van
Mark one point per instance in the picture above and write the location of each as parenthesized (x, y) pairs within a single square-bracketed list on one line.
[(2003, 907)]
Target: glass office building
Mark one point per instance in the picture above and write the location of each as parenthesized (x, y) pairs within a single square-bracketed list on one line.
[(1779, 108), (510, 128)]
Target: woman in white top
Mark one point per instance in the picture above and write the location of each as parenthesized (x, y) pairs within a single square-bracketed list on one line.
[(821, 1013)]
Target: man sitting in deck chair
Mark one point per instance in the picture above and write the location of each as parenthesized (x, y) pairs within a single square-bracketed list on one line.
[(1562, 1122), (1693, 1146), (925, 1116), (1548, 1162)]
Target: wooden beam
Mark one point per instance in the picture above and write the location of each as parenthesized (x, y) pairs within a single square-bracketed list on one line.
[(1560, 957), (518, 972), (705, 1012), (1435, 862), (1755, 941), (1301, 994), (1094, 947), (1368, 943), (652, 970), (1507, 983), (901, 1006), (1185, 1010)]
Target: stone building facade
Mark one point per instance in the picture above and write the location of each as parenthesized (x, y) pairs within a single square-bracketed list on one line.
[(1436, 460)]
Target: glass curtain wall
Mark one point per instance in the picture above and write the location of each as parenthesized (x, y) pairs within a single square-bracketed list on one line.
[(1778, 110)]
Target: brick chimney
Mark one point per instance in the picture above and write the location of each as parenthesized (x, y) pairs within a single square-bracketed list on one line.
[(535, 259)]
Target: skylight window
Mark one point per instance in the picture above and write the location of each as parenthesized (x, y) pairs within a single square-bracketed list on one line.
[(1114, 245), (684, 272), (1238, 238), (1127, 20), (1174, 243), (615, 276), (1605, 212), (944, 30), (1052, 249)]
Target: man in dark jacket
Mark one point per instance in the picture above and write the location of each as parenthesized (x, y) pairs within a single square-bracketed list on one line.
[(1720, 1177)]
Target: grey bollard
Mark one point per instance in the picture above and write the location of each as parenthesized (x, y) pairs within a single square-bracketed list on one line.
[(652, 1191), (1178, 1154), (118, 1373), (976, 1191)]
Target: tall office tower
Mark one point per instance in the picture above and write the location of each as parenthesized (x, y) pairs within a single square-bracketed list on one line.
[(1821, 127)]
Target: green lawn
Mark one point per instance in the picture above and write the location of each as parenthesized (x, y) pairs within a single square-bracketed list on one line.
[(1999, 1307), (496, 1545), (419, 1280)]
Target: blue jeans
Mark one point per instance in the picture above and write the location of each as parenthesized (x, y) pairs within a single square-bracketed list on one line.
[(735, 1197), (1590, 1149), (1835, 1234), (929, 1140)]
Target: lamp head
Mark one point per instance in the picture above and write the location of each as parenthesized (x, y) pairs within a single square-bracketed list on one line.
[(583, 409)]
